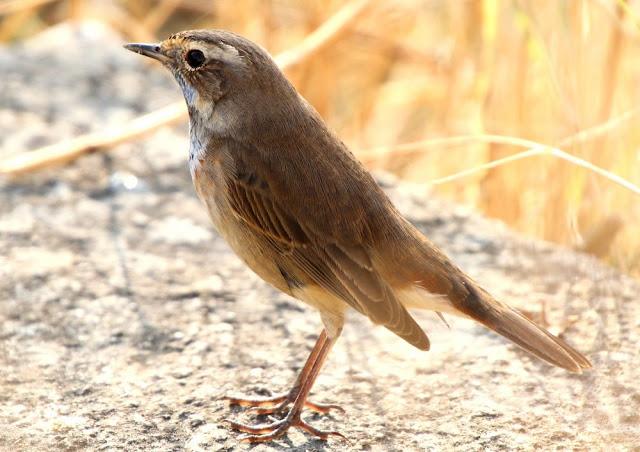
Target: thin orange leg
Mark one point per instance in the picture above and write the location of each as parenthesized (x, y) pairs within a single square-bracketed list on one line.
[(277, 403), (298, 396)]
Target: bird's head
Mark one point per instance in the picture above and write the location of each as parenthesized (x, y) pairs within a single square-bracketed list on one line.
[(215, 67)]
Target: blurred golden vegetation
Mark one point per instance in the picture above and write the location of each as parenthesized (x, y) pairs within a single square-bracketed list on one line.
[(560, 73)]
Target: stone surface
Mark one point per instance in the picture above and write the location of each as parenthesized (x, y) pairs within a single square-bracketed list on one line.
[(125, 319)]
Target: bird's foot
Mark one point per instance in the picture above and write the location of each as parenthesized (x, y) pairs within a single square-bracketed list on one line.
[(278, 403), (260, 433)]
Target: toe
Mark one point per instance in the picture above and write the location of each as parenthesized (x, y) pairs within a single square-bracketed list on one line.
[(257, 429), (320, 434), (271, 436), (323, 408)]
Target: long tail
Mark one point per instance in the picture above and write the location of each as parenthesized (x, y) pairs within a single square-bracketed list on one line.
[(508, 322)]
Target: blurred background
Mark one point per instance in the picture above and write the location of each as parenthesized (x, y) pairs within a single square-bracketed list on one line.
[(560, 73)]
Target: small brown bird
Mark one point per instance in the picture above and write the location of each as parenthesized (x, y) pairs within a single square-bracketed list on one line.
[(305, 215)]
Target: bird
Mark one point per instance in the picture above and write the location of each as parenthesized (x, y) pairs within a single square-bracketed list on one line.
[(304, 214)]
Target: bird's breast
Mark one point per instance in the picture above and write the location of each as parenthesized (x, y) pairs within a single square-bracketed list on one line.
[(197, 148), (208, 180)]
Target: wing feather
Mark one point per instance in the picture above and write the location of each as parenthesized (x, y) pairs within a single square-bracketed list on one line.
[(345, 269)]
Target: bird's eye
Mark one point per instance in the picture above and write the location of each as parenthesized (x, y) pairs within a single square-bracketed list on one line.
[(195, 58)]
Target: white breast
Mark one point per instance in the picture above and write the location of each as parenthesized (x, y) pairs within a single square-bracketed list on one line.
[(197, 148), (202, 125)]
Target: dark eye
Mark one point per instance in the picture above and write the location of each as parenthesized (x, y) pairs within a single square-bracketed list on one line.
[(195, 58)]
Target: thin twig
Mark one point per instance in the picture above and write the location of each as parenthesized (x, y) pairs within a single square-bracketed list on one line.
[(599, 129), (371, 155), (67, 151), (323, 36), (542, 150), (536, 149)]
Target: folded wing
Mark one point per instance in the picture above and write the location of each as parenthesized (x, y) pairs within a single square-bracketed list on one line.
[(344, 269)]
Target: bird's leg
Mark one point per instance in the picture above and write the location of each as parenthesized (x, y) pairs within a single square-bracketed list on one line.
[(304, 383), (277, 403), (267, 405)]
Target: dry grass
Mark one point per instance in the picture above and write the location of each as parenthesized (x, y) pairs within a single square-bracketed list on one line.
[(539, 70)]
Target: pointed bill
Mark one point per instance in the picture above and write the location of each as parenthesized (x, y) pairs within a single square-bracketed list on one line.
[(151, 50)]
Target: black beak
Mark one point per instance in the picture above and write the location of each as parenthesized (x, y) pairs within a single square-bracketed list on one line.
[(150, 50)]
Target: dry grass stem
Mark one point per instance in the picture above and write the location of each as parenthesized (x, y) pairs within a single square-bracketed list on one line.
[(327, 33), (384, 152), (536, 149), (66, 151)]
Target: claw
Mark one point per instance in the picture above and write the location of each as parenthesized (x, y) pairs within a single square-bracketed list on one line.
[(320, 434), (268, 432), (323, 408), (257, 429)]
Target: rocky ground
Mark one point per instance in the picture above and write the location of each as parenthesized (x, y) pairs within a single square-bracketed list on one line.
[(124, 319)]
